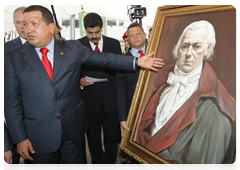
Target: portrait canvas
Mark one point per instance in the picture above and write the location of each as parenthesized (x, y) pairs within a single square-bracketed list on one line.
[(186, 112)]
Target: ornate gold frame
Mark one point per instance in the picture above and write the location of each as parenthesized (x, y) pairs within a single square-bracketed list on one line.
[(127, 144)]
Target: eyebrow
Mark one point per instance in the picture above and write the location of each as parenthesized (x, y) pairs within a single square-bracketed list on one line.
[(30, 21), (135, 33), (198, 42), (93, 32)]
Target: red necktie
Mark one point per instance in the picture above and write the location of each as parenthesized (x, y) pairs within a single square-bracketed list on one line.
[(141, 53), (96, 48), (46, 62)]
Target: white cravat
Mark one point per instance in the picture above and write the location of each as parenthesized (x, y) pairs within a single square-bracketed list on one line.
[(181, 87)]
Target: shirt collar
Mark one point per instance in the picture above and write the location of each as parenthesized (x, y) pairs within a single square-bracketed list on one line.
[(135, 53), (22, 40), (50, 46)]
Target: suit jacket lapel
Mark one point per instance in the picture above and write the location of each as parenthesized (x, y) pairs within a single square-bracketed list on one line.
[(105, 44), (59, 56), (86, 42), (32, 58)]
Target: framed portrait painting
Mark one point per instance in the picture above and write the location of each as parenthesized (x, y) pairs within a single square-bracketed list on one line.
[(185, 113)]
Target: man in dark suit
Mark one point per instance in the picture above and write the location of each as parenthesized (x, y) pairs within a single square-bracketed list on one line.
[(127, 80), (100, 98), (17, 21), (52, 127)]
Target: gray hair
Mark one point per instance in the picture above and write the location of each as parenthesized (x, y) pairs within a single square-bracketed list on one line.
[(19, 8), (210, 37)]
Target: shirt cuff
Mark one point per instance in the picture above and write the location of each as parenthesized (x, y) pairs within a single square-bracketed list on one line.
[(134, 63)]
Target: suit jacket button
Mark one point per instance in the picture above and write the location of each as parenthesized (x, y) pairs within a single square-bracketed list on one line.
[(53, 85), (58, 117)]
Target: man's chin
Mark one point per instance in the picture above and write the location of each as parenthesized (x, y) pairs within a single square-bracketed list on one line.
[(22, 34), (95, 40), (32, 42), (186, 68)]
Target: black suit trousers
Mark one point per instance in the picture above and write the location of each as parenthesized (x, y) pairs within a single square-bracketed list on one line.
[(111, 132), (68, 153)]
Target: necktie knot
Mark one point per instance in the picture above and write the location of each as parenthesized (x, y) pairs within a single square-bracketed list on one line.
[(141, 53), (44, 51)]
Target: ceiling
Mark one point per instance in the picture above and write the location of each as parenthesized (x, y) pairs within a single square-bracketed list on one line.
[(64, 11)]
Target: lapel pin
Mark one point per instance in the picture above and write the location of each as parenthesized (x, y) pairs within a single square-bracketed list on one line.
[(61, 53)]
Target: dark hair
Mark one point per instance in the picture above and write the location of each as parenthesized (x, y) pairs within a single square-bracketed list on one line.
[(135, 24), (92, 20), (46, 14)]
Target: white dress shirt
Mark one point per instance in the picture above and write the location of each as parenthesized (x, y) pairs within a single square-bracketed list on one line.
[(100, 44), (50, 53)]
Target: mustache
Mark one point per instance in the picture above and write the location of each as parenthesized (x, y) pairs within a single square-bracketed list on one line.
[(94, 38)]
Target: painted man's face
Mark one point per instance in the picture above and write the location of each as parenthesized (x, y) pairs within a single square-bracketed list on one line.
[(192, 50)]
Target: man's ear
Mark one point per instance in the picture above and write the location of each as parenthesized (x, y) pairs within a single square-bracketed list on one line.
[(52, 27), (208, 49)]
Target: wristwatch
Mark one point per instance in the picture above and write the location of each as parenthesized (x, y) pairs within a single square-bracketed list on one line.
[(136, 62)]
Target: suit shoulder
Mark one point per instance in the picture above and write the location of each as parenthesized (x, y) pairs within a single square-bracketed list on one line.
[(12, 41), (14, 49), (82, 39), (68, 43), (128, 53), (8, 42), (111, 39), (9, 45)]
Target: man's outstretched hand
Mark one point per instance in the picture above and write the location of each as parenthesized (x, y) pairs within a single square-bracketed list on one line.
[(150, 63)]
